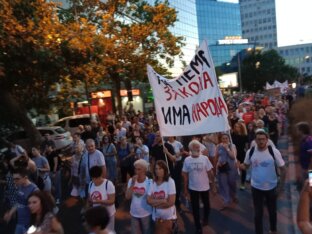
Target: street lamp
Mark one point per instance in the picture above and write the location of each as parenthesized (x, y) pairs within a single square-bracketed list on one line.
[(305, 58)]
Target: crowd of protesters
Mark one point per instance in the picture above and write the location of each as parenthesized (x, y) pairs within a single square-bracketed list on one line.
[(130, 158)]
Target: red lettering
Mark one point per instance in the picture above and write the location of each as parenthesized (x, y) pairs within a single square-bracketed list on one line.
[(222, 105), (176, 94), (200, 111), (204, 106), (211, 105), (194, 116), (167, 90), (191, 87), (207, 79), (185, 93)]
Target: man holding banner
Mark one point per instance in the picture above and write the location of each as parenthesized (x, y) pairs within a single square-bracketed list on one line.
[(190, 104)]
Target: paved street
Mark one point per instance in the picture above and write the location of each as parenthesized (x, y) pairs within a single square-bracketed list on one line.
[(235, 220)]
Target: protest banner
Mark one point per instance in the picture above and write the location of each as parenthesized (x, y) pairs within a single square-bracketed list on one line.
[(192, 103)]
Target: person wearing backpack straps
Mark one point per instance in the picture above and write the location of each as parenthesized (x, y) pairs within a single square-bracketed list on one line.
[(264, 180)]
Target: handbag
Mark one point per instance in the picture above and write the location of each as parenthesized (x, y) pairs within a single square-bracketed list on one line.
[(224, 168)]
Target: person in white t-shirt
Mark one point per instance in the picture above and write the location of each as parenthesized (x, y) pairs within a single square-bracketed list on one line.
[(161, 196), (264, 180), (138, 187), (102, 193), (197, 174)]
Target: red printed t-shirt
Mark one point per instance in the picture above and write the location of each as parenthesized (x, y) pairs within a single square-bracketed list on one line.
[(248, 117)]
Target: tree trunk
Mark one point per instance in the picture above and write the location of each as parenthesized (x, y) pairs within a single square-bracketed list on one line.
[(18, 112), (117, 83)]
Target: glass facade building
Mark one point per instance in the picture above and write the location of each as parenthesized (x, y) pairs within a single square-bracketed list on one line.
[(217, 20), (299, 56), (185, 26), (219, 23), (258, 19)]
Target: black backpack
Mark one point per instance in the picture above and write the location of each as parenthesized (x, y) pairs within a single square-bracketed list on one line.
[(252, 150)]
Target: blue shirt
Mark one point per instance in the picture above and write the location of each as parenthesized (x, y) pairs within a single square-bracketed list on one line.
[(23, 212)]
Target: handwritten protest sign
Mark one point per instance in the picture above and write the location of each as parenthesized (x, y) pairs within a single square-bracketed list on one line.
[(192, 103)]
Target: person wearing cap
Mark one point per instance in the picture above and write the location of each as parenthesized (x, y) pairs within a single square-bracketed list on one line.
[(264, 179)]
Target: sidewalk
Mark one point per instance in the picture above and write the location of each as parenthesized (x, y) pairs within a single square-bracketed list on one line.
[(291, 195)]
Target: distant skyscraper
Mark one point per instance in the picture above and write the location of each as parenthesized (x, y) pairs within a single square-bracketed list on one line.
[(219, 22), (258, 19), (186, 26)]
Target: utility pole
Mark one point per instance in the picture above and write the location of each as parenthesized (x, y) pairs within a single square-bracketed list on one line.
[(239, 73)]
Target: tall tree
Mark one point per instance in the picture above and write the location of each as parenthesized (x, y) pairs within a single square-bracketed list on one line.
[(261, 67), (37, 51), (138, 33)]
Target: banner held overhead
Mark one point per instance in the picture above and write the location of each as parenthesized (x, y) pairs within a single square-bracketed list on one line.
[(192, 103)]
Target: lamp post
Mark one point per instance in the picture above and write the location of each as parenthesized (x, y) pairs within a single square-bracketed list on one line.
[(239, 73), (305, 58)]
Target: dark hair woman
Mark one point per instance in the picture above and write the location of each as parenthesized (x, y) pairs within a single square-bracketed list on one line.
[(42, 218), (161, 196)]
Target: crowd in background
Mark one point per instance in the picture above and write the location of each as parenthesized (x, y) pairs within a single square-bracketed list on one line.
[(129, 158)]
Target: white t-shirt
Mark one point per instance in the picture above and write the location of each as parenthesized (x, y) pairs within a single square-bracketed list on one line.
[(177, 146), (139, 207), (100, 193), (94, 159), (17, 150), (197, 169), (139, 153), (263, 174), (162, 192)]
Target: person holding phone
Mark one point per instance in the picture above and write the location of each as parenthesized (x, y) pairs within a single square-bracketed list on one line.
[(303, 212)]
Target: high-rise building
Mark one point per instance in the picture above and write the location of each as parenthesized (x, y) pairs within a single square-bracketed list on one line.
[(185, 26), (219, 23), (299, 56), (258, 19)]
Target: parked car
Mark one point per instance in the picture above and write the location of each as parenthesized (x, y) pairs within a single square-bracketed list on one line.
[(71, 123), (60, 136)]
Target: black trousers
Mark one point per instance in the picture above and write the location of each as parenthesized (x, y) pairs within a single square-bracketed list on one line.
[(177, 177), (270, 197), (195, 206)]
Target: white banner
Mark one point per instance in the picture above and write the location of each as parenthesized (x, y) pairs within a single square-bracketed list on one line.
[(192, 103)]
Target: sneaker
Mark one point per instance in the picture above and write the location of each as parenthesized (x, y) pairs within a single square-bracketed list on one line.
[(242, 187)]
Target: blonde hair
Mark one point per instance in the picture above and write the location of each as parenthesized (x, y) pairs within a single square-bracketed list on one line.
[(142, 163)]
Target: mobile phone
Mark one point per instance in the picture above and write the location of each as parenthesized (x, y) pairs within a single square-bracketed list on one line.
[(310, 178)]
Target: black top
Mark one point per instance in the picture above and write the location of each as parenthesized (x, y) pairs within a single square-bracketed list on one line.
[(50, 158), (240, 142), (158, 154)]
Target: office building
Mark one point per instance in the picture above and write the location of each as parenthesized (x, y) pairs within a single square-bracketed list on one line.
[(299, 56), (258, 19), (219, 22)]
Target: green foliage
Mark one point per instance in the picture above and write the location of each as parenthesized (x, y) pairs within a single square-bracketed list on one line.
[(268, 66)]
